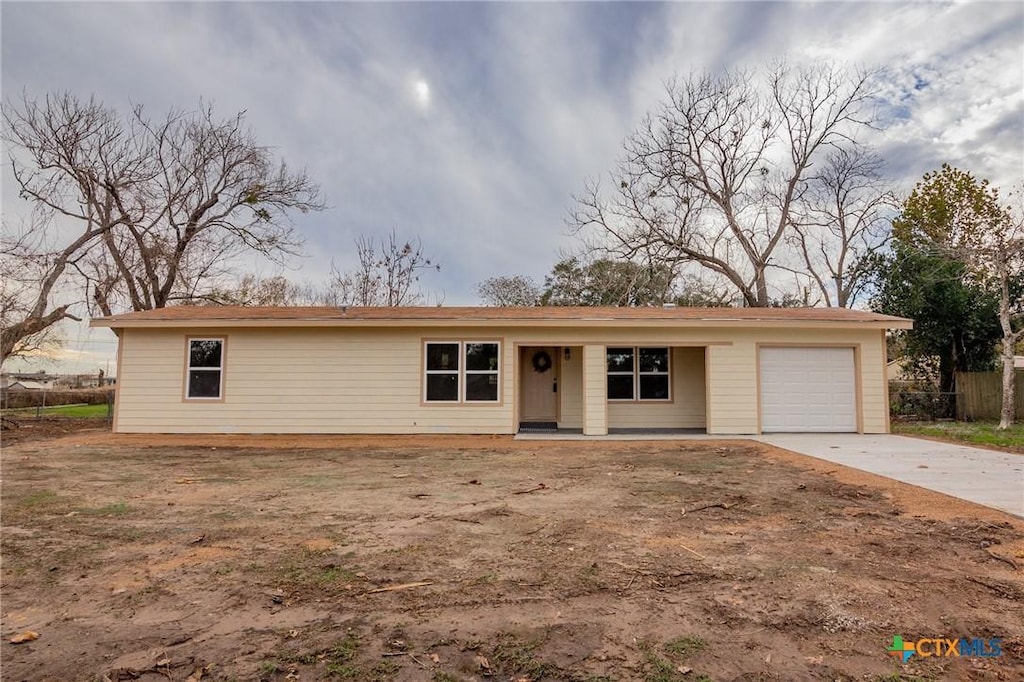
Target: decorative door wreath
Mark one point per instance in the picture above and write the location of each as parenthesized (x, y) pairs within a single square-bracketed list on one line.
[(541, 361)]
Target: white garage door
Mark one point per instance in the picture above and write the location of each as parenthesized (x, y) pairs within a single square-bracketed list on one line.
[(808, 389)]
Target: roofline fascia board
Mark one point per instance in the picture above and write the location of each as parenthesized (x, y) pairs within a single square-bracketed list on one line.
[(115, 324)]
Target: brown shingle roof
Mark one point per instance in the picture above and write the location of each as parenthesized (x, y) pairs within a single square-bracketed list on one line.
[(297, 316)]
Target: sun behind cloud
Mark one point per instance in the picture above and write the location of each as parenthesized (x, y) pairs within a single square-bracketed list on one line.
[(421, 93)]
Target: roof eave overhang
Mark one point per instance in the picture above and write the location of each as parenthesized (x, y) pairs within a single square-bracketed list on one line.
[(115, 324)]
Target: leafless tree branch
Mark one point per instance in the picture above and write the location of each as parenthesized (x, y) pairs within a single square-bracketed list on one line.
[(716, 175), (166, 203)]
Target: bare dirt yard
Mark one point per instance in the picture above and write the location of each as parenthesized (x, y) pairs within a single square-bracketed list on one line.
[(243, 558)]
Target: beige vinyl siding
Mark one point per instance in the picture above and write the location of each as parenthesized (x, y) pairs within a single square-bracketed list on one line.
[(595, 389), (732, 388), (300, 381), (685, 410), (874, 390), (732, 371), (367, 380), (570, 389)]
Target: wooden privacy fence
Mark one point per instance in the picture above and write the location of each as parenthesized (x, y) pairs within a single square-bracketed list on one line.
[(979, 395)]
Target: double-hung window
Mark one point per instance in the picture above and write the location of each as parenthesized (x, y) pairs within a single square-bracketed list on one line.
[(621, 373), (462, 371), (481, 377), (205, 374), (638, 373)]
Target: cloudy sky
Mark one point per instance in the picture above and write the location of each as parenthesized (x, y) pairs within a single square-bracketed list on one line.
[(471, 125)]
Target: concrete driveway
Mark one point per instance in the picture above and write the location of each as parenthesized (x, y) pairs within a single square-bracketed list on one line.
[(994, 479)]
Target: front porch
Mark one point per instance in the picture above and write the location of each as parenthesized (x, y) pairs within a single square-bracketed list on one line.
[(619, 390), (617, 434)]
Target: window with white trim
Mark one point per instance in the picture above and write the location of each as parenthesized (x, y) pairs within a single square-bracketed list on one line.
[(639, 373), (205, 373), (621, 377), (462, 371)]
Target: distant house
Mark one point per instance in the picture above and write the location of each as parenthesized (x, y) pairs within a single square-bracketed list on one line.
[(24, 385), (895, 370), (501, 370), (76, 381), (39, 381)]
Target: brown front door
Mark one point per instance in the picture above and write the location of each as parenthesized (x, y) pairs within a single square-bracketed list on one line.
[(538, 371)]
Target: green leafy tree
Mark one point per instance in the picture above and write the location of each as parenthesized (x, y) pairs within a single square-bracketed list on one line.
[(932, 277), (955, 321), (951, 213), (607, 282)]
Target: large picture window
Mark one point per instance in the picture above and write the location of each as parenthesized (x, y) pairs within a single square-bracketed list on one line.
[(462, 371), (638, 373), (205, 374)]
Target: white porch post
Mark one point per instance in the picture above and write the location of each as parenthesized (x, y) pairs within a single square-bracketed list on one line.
[(595, 391)]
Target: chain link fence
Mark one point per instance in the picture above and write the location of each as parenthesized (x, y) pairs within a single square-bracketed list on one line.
[(37, 404), (913, 402)]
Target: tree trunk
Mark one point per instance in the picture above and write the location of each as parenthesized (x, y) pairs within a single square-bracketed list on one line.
[(948, 366), (12, 335), (1006, 414), (762, 290)]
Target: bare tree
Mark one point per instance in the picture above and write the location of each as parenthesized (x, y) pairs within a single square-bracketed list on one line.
[(509, 290), (714, 176), (176, 198), (252, 289), (29, 271), (843, 217), (55, 151), (387, 274)]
